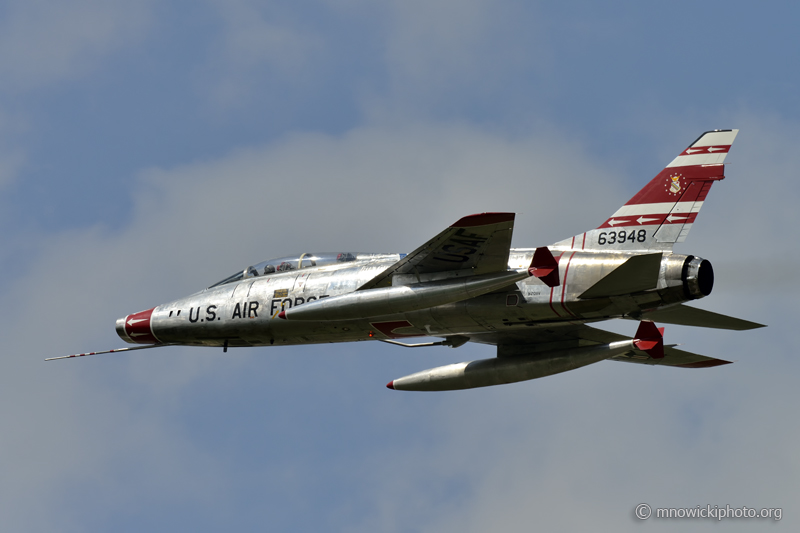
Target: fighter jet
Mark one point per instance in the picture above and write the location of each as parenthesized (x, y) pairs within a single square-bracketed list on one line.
[(467, 284)]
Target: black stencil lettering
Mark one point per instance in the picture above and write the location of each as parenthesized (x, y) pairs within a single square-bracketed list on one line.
[(463, 250), (450, 258), (474, 238), (471, 244)]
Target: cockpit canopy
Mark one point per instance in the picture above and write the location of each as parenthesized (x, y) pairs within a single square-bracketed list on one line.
[(285, 264)]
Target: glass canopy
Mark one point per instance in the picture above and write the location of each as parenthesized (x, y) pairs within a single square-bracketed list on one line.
[(285, 264)]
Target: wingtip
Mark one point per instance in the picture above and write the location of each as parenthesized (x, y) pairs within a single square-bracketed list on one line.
[(390, 385), (483, 219), (706, 364), (282, 315)]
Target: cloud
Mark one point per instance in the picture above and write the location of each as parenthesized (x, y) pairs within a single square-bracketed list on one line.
[(258, 40), (10, 163), (43, 42), (383, 187), (584, 448), (391, 60), (447, 53)]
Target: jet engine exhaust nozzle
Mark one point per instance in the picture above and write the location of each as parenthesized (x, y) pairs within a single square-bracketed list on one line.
[(698, 277)]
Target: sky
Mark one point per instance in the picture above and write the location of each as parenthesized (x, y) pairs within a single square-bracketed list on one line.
[(149, 149)]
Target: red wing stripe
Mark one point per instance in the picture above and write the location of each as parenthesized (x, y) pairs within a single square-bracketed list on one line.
[(483, 219)]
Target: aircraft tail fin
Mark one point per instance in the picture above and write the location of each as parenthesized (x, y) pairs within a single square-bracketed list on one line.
[(662, 213)]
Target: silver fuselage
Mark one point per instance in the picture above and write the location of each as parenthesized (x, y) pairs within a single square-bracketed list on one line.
[(245, 312)]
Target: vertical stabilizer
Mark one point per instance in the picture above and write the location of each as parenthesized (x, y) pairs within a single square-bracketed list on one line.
[(663, 212)]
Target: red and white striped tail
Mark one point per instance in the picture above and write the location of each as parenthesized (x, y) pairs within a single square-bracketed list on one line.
[(663, 212)]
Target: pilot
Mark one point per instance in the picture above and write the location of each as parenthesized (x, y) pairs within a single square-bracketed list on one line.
[(269, 269)]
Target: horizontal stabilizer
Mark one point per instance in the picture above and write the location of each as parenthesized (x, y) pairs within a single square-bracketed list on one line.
[(683, 315), (639, 273), (539, 341), (673, 357)]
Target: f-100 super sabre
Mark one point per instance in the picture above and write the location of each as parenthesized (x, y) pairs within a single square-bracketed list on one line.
[(467, 284)]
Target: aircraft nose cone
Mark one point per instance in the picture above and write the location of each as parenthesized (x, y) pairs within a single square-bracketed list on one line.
[(121, 330), (136, 328)]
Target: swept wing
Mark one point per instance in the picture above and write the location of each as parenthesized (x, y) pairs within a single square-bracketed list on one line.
[(477, 244)]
